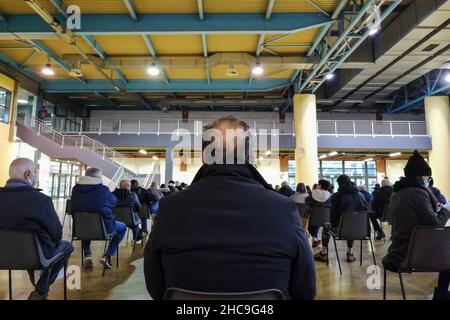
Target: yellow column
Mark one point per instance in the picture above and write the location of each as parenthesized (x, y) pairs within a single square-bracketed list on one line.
[(305, 126), (437, 113), (5, 130)]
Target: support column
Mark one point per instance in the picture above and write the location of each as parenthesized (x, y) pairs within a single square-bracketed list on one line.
[(305, 126), (437, 113), (169, 165), (6, 130)]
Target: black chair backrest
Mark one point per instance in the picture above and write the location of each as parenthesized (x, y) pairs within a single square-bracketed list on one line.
[(354, 226), (429, 250), (19, 250), (301, 207), (320, 216), (181, 294), (88, 226), (144, 213), (68, 207), (125, 215)]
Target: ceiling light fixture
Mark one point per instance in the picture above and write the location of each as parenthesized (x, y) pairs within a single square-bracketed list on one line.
[(329, 76), (155, 158), (395, 154), (153, 70), (323, 156), (447, 77), (373, 31), (333, 153), (368, 159), (268, 153), (22, 101), (142, 151), (257, 69), (47, 70)]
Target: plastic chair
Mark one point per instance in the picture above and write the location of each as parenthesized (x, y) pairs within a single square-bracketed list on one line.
[(126, 215), (181, 294), (67, 212), (89, 226), (353, 226), (320, 216), (21, 250), (428, 251), (301, 207)]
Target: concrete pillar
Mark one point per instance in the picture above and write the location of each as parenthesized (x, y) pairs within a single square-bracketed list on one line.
[(437, 113), (169, 165), (305, 126)]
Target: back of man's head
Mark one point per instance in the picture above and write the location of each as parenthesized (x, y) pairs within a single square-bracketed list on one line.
[(284, 184), (226, 141), (93, 172), (22, 168), (125, 184), (134, 183)]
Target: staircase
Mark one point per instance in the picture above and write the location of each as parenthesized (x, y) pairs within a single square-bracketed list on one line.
[(79, 147)]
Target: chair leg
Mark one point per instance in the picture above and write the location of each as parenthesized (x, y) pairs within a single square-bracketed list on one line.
[(360, 253), (64, 220), (65, 279), (117, 258), (401, 285), (373, 252), (337, 255), (82, 257), (10, 284), (384, 284)]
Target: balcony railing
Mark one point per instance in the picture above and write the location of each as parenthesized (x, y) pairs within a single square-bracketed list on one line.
[(168, 126)]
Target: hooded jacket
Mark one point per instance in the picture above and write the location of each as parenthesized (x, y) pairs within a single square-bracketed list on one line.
[(229, 232), (347, 198), (319, 197), (411, 205), (90, 195), (126, 198), (23, 207)]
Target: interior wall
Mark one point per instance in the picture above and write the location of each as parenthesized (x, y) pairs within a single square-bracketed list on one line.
[(6, 154), (394, 169)]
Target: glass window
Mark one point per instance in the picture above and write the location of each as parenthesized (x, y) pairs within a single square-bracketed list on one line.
[(5, 98), (331, 168), (354, 168)]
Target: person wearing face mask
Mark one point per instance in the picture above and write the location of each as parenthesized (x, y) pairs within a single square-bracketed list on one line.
[(412, 205), (22, 207)]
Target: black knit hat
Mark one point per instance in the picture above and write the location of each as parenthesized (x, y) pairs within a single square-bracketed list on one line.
[(343, 179), (417, 166)]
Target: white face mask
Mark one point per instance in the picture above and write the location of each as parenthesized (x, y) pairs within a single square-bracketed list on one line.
[(426, 181)]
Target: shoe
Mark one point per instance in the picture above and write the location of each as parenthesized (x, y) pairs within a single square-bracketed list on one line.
[(441, 294), (34, 295), (106, 260), (88, 264), (380, 235), (350, 257), (315, 243), (321, 257)]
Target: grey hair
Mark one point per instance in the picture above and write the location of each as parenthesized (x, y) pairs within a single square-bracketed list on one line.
[(93, 172)]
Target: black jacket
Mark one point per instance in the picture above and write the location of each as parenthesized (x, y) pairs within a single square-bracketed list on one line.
[(347, 198), (411, 205), (381, 199), (229, 233), (25, 208), (286, 191), (126, 198), (144, 195)]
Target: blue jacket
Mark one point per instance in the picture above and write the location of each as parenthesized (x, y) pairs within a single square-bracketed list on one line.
[(90, 195), (229, 232), (25, 208), (439, 196)]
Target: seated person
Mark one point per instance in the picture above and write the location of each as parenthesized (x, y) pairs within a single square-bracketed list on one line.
[(229, 232), (145, 197), (22, 207), (126, 198), (380, 203), (412, 205), (90, 195), (320, 197), (286, 190), (347, 198)]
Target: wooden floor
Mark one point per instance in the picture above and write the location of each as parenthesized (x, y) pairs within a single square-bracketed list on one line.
[(127, 282)]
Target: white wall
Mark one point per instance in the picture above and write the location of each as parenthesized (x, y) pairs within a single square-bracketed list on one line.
[(394, 169)]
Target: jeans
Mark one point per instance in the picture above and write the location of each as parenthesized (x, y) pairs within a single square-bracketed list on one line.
[(137, 231), (120, 230), (48, 277)]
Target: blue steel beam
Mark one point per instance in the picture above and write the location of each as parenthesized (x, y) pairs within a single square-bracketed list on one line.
[(411, 103), (32, 26), (152, 50), (184, 85), (131, 9)]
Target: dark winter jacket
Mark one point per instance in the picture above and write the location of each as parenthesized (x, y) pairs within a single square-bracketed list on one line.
[(229, 233), (144, 195), (347, 198), (286, 191), (320, 198), (411, 205), (126, 198), (90, 195), (23, 207), (381, 199)]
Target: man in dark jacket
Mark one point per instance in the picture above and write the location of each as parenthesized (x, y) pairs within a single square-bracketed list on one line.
[(413, 205), (145, 198), (380, 205), (228, 232), (22, 207), (127, 198), (90, 195), (346, 199), (286, 190)]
